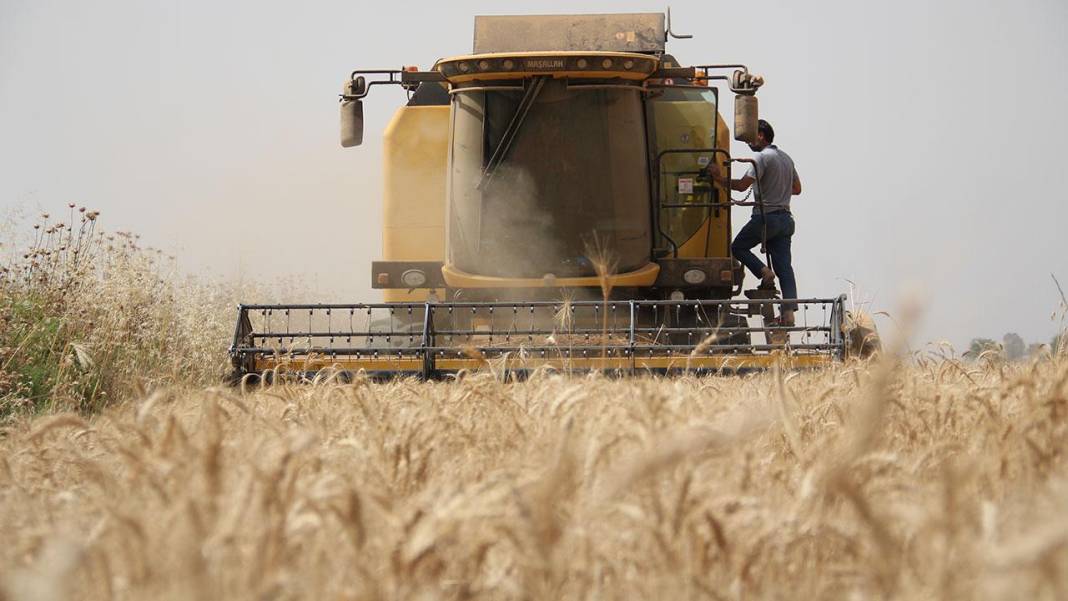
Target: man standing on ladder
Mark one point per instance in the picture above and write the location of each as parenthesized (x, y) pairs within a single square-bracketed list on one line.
[(776, 181)]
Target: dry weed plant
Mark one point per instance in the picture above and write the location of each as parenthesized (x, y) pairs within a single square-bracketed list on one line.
[(922, 479), (88, 316)]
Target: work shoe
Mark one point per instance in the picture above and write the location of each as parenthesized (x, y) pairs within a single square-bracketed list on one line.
[(767, 279), (776, 338), (787, 318)]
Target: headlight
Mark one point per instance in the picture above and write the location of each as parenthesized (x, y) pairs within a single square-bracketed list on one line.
[(413, 278), (694, 276), (677, 295)]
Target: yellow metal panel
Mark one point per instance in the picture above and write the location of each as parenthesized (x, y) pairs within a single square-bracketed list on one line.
[(419, 295), (414, 243), (415, 161), (415, 149), (643, 276), (695, 246)]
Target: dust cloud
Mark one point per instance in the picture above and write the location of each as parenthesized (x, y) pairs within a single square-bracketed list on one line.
[(532, 245)]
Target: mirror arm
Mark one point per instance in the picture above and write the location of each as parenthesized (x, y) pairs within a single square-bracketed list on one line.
[(721, 67), (409, 80), (740, 82), (418, 77)]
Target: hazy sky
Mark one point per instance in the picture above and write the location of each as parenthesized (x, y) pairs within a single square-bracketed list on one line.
[(928, 134)]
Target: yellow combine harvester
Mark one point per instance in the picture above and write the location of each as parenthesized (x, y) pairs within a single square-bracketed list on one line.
[(547, 203)]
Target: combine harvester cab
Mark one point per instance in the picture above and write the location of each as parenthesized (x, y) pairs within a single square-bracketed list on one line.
[(547, 204)]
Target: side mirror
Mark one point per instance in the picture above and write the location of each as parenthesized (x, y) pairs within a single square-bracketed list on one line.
[(351, 123), (352, 112), (745, 118)]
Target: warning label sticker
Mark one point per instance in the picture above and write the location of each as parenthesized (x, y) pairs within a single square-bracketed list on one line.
[(685, 185)]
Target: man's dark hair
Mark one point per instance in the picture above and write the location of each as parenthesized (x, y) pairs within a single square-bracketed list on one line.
[(765, 128)]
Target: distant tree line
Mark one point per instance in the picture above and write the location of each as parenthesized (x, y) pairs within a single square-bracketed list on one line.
[(1012, 347)]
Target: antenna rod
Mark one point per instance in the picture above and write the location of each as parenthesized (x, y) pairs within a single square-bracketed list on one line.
[(669, 33)]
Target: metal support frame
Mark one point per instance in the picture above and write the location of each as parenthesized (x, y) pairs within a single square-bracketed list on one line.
[(431, 340)]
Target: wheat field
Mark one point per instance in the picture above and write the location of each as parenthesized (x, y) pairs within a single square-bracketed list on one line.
[(925, 480), (128, 472)]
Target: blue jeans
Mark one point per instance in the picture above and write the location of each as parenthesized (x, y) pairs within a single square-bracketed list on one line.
[(780, 232)]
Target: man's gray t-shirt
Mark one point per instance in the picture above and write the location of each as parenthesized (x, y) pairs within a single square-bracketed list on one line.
[(776, 183)]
